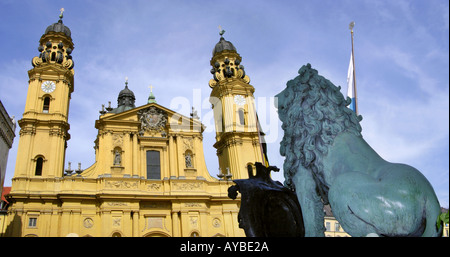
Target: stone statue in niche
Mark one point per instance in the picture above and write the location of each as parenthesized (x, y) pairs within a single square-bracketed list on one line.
[(328, 161), (117, 158), (188, 160), (268, 209)]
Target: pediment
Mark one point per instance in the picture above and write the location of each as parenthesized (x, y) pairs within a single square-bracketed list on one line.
[(151, 117)]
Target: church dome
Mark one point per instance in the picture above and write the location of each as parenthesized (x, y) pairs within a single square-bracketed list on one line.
[(59, 27), (125, 100), (126, 92), (151, 98), (223, 45)]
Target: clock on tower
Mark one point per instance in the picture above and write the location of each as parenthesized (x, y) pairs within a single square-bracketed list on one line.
[(44, 127), (237, 136), (48, 86)]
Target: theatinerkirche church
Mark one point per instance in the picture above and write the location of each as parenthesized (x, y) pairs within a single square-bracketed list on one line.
[(149, 177)]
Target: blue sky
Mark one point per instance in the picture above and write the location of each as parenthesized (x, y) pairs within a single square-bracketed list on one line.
[(401, 62)]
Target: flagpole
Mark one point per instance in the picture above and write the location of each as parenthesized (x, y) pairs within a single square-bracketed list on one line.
[(352, 24)]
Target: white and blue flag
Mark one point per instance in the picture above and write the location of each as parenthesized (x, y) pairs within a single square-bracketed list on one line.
[(350, 91)]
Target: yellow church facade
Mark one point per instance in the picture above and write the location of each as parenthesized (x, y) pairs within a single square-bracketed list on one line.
[(149, 177)]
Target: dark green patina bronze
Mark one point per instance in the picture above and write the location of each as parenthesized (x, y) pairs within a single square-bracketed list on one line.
[(328, 161)]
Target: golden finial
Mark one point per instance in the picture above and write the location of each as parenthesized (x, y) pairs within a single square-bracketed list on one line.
[(221, 31), (61, 14), (351, 25)]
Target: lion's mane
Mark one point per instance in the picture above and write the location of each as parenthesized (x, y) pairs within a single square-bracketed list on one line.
[(313, 112)]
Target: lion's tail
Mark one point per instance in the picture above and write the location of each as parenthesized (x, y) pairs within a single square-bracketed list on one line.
[(432, 211)]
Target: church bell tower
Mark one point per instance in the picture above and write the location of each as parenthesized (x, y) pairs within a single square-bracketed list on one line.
[(237, 135), (44, 126)]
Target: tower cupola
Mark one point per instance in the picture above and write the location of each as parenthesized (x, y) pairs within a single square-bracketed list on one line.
[(226, 63), (56, 45), (151, 97), (59, 27), (223, 45)]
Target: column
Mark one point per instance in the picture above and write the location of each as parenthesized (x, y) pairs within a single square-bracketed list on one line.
[(143, 165), (228, 113), (175, 225), (251, 115), (65, 220), (179, 156), (172, 166), (135, 168), (135, 218)]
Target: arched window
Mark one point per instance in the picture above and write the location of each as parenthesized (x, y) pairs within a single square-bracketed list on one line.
[(116, 234), (39, 163), (46, 107), (241, 117)]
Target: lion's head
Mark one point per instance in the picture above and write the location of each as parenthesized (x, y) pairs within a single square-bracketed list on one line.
[(313, 112)]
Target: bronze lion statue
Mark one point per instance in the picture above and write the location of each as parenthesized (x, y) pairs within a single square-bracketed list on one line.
[(329, 162)]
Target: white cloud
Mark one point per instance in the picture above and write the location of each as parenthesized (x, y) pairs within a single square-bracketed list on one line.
[(406, 120)]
